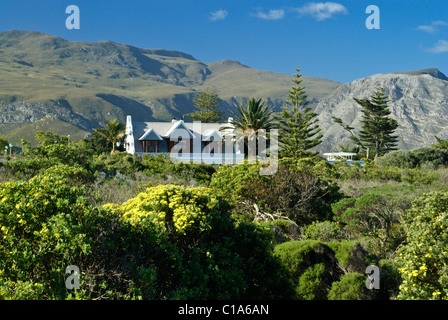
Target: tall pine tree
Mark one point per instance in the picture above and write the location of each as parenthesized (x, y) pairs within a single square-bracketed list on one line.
[(377, 127), (297, 124), (207, 103)]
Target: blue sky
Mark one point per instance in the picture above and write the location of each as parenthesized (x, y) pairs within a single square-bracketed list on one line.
[(324, 38)]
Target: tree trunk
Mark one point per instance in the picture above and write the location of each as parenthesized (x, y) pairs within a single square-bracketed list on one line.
[(377, 151)]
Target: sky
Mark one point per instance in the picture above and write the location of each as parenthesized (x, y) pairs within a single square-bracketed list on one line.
[(328, 39)]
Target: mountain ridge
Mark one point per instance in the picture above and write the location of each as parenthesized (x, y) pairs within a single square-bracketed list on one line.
[(436, 73), (417, 100), (72, 87), (42, 74)]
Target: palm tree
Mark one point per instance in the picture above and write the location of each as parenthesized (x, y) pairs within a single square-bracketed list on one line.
[(251, 117), (115, 130)]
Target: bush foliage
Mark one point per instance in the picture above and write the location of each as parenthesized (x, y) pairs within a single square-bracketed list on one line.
[(423, 259), (143, 227)]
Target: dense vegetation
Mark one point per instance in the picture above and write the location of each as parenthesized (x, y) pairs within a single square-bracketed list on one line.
[(143, 227), (146, 228)]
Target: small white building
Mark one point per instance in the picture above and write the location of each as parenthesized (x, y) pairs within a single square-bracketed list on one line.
[(336, 156), (343, 156)]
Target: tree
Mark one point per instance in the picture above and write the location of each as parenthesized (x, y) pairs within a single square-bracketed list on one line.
[(370, 215), (49, 138), (377, 127), (98, 144), (207, 103), (3, 143), (297, 123), (251, 117), (441, 144), (113, 132)]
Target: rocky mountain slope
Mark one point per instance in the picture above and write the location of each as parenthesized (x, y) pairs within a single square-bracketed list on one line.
[(71, 87), (418, 100)]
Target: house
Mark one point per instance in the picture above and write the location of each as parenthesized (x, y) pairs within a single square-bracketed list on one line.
[(342, 156), (186, 141)]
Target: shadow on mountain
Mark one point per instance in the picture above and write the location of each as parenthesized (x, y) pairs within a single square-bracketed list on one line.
[(129, 106), (148, 65)]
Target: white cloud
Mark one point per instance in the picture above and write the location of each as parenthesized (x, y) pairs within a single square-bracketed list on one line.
[(322, 11), (218, 15), (440, 23), (432, 28), (440, 47), (271, 15), (429, 29)]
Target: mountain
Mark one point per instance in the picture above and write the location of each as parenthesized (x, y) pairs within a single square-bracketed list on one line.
[(431, 71), (72, 87), (418, 100)]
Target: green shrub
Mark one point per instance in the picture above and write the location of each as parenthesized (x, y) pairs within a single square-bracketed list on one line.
[(145, 249), (162, 165), (238, 181), (312, 267), (296, 194), (350, 287), (283, 230), (371, 215), (215, 258), (3, 144), (429, 157), (352, 256), (310, 285), (299, 195), (118, 162), (39, 235), (324, 231), (390, 280), (76, 174), (387, 173), (423, 260)]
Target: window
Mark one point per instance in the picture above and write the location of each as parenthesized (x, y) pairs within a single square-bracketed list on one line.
[(151, 146), (180, 146), (213, 147)]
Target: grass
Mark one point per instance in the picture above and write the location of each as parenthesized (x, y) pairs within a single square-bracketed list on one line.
[(394, 189)]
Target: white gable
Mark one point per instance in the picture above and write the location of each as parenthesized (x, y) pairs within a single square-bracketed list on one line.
[(150, 135), (178, 125)]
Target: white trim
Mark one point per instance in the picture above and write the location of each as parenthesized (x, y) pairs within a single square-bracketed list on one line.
[(175, 126), (129, 139), (143, 137), (211, 133)]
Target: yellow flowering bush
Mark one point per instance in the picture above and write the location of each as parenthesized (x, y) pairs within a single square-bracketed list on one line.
[(208, 255), (170, 242), (172, 207), (38, 235), (424, 259)]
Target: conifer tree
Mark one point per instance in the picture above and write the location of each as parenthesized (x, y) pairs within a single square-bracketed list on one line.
[(377, 127), (297, 124), (207, 103), (441, 144)]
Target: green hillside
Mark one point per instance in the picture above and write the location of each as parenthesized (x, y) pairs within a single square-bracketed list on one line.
[(81, 85)]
